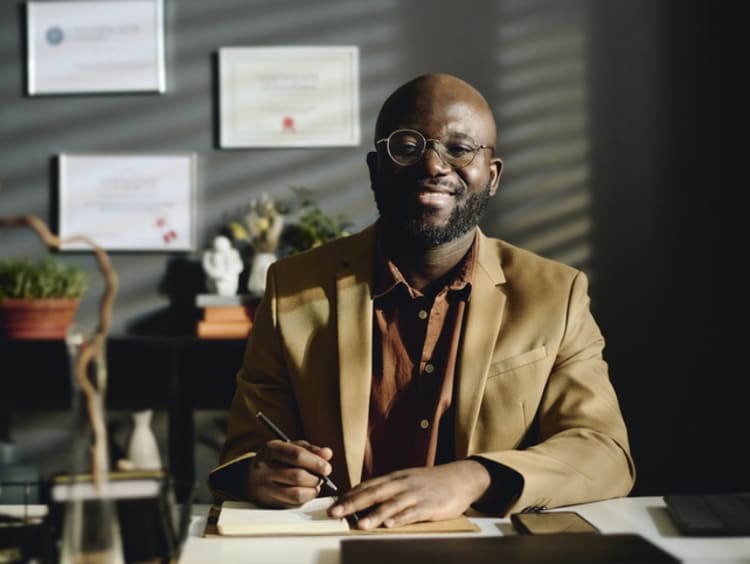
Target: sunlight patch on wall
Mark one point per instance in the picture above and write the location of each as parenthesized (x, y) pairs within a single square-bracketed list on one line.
[(540, 104)]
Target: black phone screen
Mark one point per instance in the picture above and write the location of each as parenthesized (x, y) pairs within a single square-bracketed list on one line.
[(552, 522)]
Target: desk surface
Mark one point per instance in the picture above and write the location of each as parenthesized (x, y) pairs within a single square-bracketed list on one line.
[(646, 516)]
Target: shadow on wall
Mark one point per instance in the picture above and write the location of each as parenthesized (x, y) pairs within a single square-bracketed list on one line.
[(182, 281)]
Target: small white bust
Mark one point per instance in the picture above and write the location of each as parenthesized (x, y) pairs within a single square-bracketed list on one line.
[(222, 265)]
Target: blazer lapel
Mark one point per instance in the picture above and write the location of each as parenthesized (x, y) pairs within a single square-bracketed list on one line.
[(354, 319), (483, 322)]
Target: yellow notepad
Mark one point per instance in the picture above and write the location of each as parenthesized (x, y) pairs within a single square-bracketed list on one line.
[(240, 518)]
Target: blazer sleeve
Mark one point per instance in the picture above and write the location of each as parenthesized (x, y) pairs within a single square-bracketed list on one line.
[(576, 449), (261, 385)]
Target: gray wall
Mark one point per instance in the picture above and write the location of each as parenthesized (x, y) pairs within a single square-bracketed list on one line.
[(601, 115), (529, 58)]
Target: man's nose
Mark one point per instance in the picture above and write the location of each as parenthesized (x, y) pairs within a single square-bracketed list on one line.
[(433, 162)]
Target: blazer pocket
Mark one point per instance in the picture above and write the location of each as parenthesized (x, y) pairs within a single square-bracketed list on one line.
[(510, 400), (508, 364)]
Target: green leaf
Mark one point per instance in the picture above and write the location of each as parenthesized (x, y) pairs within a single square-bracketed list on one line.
[(22, 278)]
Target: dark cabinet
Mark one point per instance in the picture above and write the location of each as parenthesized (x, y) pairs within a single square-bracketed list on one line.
[(179, 374)]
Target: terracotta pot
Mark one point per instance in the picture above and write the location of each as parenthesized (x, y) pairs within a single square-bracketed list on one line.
[(36, 319)]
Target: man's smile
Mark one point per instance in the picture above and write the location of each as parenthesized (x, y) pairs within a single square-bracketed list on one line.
[(434, 199), (439, 188), (435, 194)]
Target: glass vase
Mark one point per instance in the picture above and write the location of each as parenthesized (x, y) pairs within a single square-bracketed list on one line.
[(90, 528)]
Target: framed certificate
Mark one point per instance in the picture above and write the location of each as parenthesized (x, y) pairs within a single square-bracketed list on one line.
[(95, 46), (289, 96), (142, 202)]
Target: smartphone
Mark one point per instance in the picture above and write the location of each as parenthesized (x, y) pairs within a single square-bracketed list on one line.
[(551, 522)]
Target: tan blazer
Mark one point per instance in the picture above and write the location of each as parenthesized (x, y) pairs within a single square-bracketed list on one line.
[(533, 391)]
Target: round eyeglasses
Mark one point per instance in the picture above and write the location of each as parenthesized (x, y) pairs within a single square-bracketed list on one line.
[(407, 146)]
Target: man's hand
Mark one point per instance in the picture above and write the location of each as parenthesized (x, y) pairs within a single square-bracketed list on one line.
[(286, 474), (416, 494)]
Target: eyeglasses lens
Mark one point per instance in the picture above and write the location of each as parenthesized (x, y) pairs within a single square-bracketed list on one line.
[(407, 146)]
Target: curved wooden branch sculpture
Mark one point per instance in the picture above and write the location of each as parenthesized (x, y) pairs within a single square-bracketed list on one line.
[(89, 349)]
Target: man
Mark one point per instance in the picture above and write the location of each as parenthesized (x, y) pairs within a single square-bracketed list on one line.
[(424, 367)]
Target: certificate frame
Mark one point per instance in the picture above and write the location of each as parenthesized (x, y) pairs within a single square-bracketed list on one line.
[(289, 96), (95, 46), (128, 201)]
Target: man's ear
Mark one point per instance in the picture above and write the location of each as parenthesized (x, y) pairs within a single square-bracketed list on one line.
[(372, 165), (496, 171)]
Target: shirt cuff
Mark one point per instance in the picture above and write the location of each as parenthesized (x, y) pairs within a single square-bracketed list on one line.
[(229, 483), (506, 486)]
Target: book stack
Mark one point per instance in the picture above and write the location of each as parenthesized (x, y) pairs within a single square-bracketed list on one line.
[(225, 317)]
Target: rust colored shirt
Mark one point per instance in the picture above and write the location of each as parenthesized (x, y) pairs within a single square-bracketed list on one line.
[(415, 347)]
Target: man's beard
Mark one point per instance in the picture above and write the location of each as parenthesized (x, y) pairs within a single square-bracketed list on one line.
[(463, 218)]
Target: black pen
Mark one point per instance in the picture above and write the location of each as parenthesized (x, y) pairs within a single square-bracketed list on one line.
[(353, 517), (280, 435)]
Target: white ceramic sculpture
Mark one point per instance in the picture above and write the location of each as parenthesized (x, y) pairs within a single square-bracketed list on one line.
[(222, 265)]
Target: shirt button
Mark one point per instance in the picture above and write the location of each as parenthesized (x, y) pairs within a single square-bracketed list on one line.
[(424, 423), (429, 368), (422, 314)]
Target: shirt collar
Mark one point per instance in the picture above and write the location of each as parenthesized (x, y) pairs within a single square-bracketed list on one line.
[(388, 276)]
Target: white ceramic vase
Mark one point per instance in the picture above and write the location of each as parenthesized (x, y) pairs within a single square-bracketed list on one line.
[(256, 282), (143, 450)]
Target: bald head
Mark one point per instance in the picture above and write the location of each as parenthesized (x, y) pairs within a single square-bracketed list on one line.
[(432, 181), (429, 92)]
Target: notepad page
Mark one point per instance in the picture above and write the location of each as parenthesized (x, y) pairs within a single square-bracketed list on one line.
[(244, 518)]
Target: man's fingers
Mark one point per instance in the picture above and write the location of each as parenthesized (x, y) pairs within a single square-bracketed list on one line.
[(412, 495), (298, 456), (288, 497), (287, 474), (378, 499), (323, 452), (397, 510), (290, 476), (279, 485), (410, 514)]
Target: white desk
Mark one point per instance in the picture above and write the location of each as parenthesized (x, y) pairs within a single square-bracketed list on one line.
[(646, 516)]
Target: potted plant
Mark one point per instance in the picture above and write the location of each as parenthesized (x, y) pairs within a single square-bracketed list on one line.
[(313, 226), (39, 300)]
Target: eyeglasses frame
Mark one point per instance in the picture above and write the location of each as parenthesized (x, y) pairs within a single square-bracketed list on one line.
[(435, 142)]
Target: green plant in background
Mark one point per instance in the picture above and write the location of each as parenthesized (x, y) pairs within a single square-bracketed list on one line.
[(21, 278), (313, 228), (258, 226)]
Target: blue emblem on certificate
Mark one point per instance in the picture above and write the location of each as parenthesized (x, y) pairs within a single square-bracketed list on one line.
[(54, 35)]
